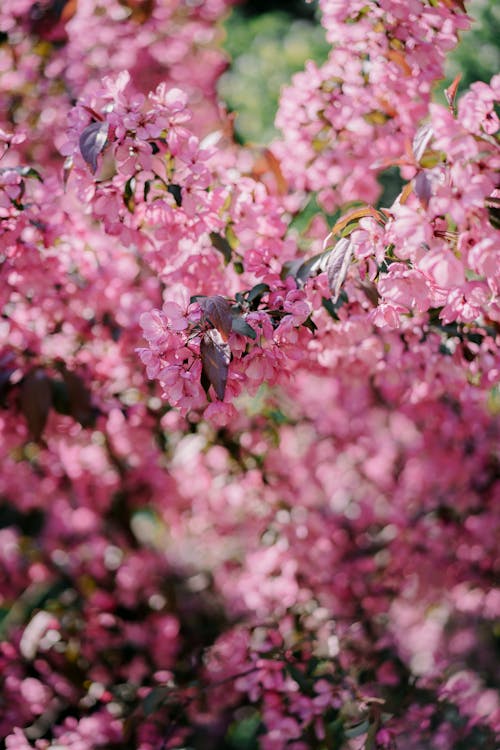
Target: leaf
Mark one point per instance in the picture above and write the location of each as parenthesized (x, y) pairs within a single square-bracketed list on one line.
[(140, 10), (332, 308), (353, 216), (256, 293), (493, 205), (267, 162), (423, 188), (421, 140), (302, 270), (215, 358), (222, 245), (240, 325), (398, 57), (451, 92), (175, 190), (79, 399), (154, 700), (357, 730), (128, 194), (337, 266), (92, 141), (68, 166), (217, 312), (370, 291), (36, 400), (23, 171), (47, 19)]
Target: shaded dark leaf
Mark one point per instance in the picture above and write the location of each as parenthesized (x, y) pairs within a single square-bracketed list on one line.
[(290, 268), (47, 18), (493, 206), (370, 291), (217, 312), (240, 325), (337, 265), (310, 324), (305, 684), (128, 194), (92, 141), (154, 700), (60, 398), (79, 400), (256, 293), (215, 357), (332, 308), (222, 245), (36, 400), (175, 190)]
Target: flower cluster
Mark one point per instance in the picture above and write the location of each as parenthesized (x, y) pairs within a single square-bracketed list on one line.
[(249, 490)]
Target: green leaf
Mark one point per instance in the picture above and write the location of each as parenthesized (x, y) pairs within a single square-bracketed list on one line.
[(154, 700), (302, 681), (239, 325), (175, 190), (357, 730), (128, 194), (255, 294), (222, 245)]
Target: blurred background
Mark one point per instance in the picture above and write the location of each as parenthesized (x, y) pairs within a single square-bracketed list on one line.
[(268, 41)]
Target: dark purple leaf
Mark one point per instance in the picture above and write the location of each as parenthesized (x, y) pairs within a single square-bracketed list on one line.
[(36, 400), (423, 188), (337, 265), (218, 313), (92, 141), (79, 400), (215, 358)]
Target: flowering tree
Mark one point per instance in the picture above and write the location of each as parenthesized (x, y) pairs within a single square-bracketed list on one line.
[(249, 461)]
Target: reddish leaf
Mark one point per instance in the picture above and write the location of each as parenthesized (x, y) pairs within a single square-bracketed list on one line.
[(218, 313), (398, 57), (47, 18), (353, 216), (337, 265), (92, 141), (140, 10), (36, 400), (451, 92), (215, 358)]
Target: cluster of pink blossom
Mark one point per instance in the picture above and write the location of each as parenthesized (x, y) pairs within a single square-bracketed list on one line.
[(345, 121), (249, 490)]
